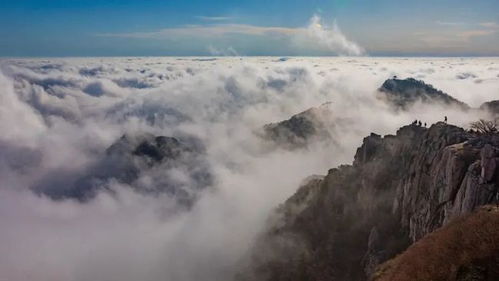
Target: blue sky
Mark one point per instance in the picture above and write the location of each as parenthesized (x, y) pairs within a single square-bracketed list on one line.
[(248, 27)]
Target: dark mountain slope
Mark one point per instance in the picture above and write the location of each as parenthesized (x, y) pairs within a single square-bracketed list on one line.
[(404, 93), (491, 106), (301, 129), (399, 189), (159, 159)]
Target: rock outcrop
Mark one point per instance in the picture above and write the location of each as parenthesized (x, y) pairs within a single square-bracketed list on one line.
[(399, 189), (303, 128), (403, 93), (149, 164)]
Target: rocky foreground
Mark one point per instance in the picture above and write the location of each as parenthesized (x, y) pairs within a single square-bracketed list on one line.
[(399, 189), (436, 256)]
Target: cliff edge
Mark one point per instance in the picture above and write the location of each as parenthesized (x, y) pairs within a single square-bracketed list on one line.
[(399, 189)]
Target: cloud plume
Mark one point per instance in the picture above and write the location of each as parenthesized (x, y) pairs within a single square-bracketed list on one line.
[(332, 38)]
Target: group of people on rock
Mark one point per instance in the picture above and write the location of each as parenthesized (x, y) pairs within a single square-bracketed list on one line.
[(419, 123)]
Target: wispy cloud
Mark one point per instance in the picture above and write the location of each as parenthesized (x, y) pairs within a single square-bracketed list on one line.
[(469, 34), (460, 35), (207, 31), (448, 39), (494, 25), (491, 24), (316, 35), (217, 18), (223, 52), (449, 23)]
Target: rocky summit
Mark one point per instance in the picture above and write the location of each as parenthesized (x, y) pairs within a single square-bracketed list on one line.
[(300, 130), (403, 93), (399, 189)]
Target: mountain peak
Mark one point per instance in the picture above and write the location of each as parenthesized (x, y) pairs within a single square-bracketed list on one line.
[(403, 93)]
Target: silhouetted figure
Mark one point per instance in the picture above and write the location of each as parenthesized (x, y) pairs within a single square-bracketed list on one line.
[(419, 123), (425, 124), (445, 118), (415, 122)]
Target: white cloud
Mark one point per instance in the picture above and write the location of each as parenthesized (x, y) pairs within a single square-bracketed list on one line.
[(130, 237), (316, 36), (223, 52), (332, 38)]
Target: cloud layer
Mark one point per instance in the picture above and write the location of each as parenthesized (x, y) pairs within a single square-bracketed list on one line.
[(58, 117), (317, 37)]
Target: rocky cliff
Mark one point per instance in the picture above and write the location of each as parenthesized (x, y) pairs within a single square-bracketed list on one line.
[(399, 189)]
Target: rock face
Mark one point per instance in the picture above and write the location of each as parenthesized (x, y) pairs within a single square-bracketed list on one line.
[(492, 107), (399, 189), (302, 128), (149, 164), (404, 93)]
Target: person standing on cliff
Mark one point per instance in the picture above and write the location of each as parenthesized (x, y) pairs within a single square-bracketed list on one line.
[(445, 118)]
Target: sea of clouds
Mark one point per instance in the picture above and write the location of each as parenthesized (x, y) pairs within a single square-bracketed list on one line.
[(58, 117)]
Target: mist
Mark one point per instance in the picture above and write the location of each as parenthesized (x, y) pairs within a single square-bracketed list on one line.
[(58, 117)]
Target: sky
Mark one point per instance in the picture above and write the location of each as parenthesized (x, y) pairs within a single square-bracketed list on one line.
[(249, 28)]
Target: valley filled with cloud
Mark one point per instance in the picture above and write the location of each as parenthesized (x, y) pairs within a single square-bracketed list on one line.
[(158, 168)]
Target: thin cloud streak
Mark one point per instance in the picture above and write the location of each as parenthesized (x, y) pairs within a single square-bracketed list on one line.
[(316, 36), (219, 18), (446, 23), (207, 31)]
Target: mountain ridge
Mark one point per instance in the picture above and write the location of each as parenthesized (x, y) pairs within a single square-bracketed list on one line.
[(399, 188)]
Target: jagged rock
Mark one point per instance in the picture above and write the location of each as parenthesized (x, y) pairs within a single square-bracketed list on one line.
[(404, 93), (302, 128), (400, 187)]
